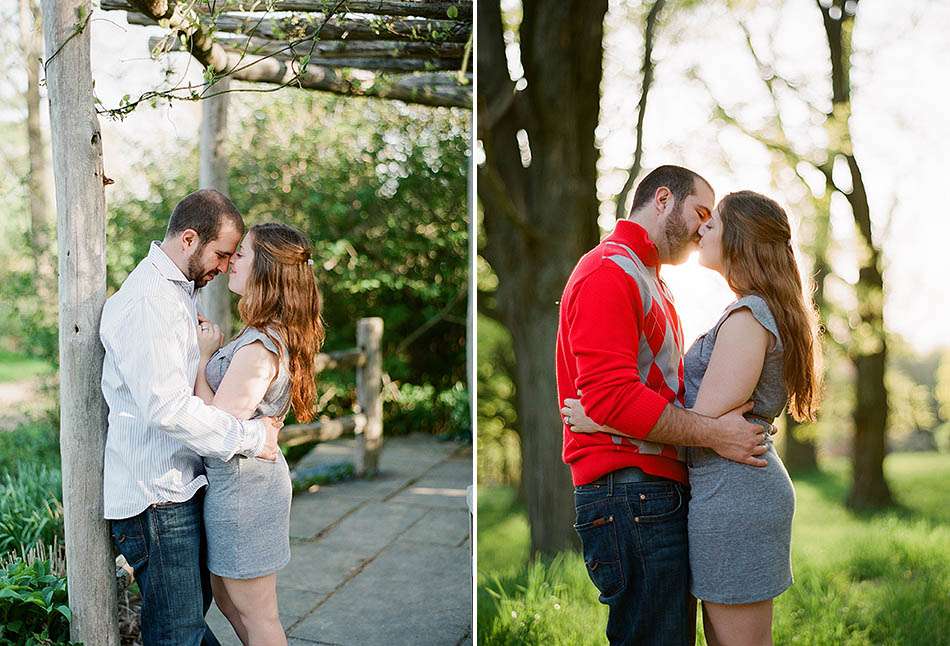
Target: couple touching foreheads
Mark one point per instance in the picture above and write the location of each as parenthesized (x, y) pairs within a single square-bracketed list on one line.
[(679, 492), (196, 489)]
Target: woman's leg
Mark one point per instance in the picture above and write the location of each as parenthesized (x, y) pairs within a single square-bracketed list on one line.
[(747, 624), (226, 606), (255, 604)]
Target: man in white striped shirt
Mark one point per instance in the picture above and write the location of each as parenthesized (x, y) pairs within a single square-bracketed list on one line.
[(158, 431)]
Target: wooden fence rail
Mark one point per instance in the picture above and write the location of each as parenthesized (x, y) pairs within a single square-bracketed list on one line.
[(367, 423)]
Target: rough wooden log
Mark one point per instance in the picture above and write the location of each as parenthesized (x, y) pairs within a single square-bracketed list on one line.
[(301, 26), (351, 49), (215, 298), (240, 45), (338, 360), (81, 234), (425, 88), (440, 9), (369, 384), (322, 431)]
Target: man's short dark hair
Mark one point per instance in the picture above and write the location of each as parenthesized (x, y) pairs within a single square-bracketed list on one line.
[(681, 182), (205, 211)]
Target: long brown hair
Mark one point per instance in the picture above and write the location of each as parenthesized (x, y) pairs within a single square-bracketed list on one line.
[(282, 295), (758, 258)]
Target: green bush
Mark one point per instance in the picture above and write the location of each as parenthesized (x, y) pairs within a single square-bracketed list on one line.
[(33, 443), (30, 507), (33, 606)]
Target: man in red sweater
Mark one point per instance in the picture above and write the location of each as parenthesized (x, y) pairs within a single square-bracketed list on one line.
[(620, 348)]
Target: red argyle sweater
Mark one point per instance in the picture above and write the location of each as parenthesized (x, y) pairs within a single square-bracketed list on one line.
[(620, 343)]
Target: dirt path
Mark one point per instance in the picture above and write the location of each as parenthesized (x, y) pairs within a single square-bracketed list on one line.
[(17, 400)]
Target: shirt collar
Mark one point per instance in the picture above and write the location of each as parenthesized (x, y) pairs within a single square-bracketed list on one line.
[(168, 269), (635, 236)]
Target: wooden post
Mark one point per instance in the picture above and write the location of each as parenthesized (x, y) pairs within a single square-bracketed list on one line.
[(77, 166), (215, 298), (369, 396)]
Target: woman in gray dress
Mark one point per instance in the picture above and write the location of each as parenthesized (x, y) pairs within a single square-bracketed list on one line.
[(764, 348), (263, 371)]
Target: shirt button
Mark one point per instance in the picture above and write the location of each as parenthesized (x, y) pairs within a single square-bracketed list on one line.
[(636, 519), (643, 497)]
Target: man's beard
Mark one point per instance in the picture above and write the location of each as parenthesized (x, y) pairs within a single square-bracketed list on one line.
[(678, 238), (196, 272)]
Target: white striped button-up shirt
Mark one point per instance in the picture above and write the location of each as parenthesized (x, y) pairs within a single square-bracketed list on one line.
[(158, 429)]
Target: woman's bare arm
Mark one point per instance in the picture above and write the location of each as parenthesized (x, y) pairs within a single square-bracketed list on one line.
[(250, 374), (735, 365)]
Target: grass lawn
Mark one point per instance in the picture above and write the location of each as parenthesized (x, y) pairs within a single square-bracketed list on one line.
[(15, 367), (859, 579)]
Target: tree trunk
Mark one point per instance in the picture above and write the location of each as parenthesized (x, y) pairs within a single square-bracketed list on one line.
[(868, 349), (77, 162), (38, 180), (798, 454), (540, 217), (215, 298)]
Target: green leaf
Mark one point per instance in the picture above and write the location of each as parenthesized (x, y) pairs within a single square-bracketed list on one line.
[(453, 12)]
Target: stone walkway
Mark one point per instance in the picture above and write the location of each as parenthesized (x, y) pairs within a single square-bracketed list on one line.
[(381, 561)]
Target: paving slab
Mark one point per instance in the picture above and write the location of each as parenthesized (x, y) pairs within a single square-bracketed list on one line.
[(440, 527), (431, 492), (311, 513), (409, 594), (372, 527), (318, 568)]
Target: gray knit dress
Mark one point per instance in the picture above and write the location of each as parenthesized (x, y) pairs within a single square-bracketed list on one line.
[(247, 506), (740, 516)]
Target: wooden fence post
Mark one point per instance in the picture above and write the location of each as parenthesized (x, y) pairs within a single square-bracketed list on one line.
[(81, 224), (369, 396)]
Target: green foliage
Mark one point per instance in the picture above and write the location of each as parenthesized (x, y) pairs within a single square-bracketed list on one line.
[(15, 367), (499, 447), (33, 444), (413, 408), (33, 605), (30, 507), (859, 579)]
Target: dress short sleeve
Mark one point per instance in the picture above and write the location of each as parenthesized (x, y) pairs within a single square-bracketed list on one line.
[(762, 313)]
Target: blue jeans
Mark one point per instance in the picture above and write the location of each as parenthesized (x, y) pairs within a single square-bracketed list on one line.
[(634, 537), (165, 545)]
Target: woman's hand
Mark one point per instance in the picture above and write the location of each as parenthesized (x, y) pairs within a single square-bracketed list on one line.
[(210, 338), (577, 419)]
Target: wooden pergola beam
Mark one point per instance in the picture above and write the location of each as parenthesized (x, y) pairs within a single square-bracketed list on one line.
[(424, 88), (258, 46), (298, 26), (439, 9), (358, 49)]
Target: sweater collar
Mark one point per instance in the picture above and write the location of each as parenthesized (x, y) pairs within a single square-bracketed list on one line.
[(635, 236)]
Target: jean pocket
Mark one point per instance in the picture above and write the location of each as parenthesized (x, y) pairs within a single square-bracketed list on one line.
[(656, 506), (128, 536), (598, 534)]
